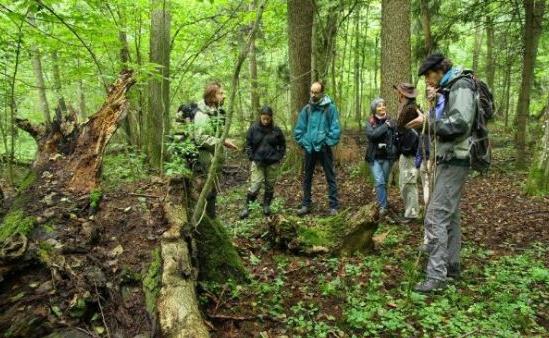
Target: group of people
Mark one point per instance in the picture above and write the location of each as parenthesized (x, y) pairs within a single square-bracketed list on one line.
[(452, 105)]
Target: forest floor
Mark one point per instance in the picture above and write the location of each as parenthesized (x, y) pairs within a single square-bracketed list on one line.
[(503, 290)]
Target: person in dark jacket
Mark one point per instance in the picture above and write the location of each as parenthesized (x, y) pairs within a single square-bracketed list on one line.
[(453, 132), (408, 139), (380, 131), (265, 146)]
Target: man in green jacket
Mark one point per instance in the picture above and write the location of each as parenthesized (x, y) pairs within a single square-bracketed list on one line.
[(208, 119), (452, 127), (316, 131)]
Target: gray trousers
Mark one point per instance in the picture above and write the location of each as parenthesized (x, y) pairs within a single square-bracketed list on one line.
[(442, 227)]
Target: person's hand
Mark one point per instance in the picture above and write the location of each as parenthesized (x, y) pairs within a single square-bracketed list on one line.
[(230, 144), (388, 123), (417, 122)]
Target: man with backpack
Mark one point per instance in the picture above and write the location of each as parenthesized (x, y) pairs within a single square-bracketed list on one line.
[(317, 131), (207, 118), (455, 131)]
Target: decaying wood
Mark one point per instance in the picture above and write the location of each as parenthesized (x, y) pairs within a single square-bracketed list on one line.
[(345, 234), (77, 149), (177, 303)]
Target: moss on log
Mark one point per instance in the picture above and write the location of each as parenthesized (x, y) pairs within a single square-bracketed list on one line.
[(345, 234)]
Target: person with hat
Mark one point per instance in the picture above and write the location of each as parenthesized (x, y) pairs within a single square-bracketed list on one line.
[(265, 146), (452, 129), (317, 130), (381, 152), (407, 145)]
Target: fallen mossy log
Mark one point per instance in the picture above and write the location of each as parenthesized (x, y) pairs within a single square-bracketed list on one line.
[(345, 234)]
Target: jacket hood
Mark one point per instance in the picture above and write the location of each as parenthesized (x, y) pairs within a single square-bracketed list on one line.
[(451, 75), (324, 101)]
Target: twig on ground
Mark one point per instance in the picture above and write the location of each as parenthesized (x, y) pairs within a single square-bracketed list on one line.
[(101, 310), (143, 195)]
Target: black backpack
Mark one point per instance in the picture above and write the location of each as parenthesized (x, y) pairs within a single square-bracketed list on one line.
[(480, 150), (186, 112)]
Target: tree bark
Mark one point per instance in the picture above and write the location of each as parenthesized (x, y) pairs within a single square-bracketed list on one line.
[(254, 92), (358, 108), (477, 48), (57, 86), (39, 76), (158, 117), (300, 30), (490, 62), (395, 49), (426, 26), (531, 33)]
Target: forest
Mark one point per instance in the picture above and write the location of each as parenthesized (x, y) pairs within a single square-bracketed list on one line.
[(157, 160)]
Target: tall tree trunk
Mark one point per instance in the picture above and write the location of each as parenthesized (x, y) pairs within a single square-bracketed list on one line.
[(358, 115), (532, 30), (39, 75), (426, 26), (395, 49), (254, 92), (300, 31), (490, 62), (58, 88), (477, 48), (158, 121), (324, 41)]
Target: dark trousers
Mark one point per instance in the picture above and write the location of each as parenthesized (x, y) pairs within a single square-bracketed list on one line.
[(326, 159)]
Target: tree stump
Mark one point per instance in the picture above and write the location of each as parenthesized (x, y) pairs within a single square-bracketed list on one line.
[(345, 234)]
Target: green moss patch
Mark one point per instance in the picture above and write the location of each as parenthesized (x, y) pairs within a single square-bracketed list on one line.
[(15, 222), (152, 281), (95, 198)]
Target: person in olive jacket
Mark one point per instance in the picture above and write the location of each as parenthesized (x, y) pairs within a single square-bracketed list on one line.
[(381, 153), (265, 146)]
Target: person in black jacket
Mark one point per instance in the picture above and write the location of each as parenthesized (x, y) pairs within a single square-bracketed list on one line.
[(380, 131), (266, 146)]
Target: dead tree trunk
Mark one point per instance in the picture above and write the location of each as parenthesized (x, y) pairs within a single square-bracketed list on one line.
[(345, 234)]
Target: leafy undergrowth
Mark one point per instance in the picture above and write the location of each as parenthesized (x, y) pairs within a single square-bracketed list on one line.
[(503, 291)]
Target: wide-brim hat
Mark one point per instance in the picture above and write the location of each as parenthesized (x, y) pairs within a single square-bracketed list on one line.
[(406, 89)]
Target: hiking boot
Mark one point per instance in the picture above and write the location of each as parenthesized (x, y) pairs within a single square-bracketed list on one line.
[(303, 211), (430, 285), (383, 212), (332, 212), (453, 271), (267, 199), (250, 198)]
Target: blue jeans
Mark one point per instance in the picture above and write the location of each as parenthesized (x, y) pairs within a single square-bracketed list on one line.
[(380, 170)]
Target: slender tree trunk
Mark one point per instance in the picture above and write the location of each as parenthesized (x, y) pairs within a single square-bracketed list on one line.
[(254, 92), (158, 121), (57, 86), (300, 30), (358, 115), (490, 62), (532, 30), (426, 26), (376, 67), (477, 48), (395, 49), (325, 34), (39, 75)]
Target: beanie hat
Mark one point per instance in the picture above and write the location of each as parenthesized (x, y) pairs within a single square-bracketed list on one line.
[(430, 62), (266, 110), (376, 102)]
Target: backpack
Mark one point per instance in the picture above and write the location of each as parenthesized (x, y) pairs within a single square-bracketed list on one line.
[(480, 149), (186, 112)]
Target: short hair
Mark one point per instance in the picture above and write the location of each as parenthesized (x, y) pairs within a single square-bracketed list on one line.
[(210, 91), (321, 83), (266, 110), (376, 102)]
